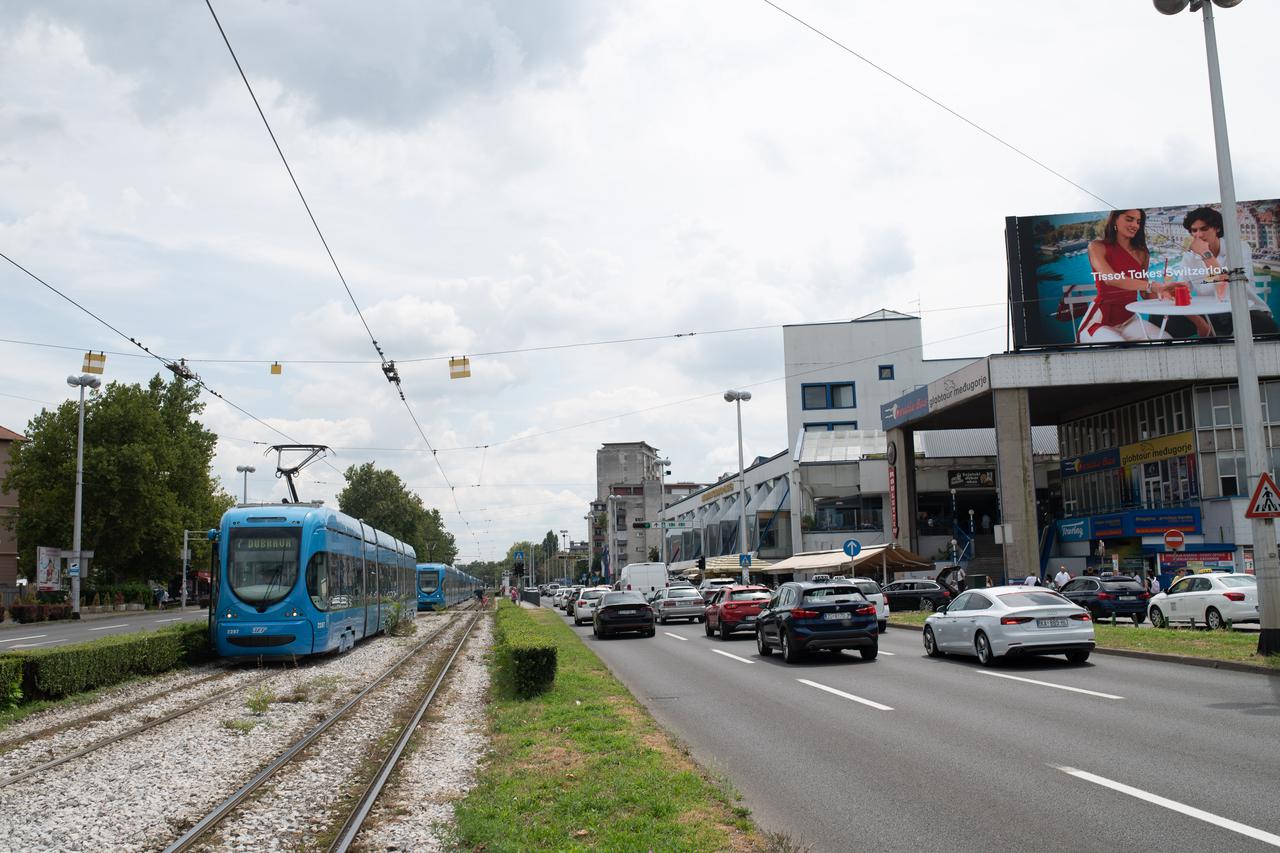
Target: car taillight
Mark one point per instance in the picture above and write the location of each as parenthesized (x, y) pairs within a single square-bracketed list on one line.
[(1082, 617), (582, 602), (1014, 620), (628, 586), (1234, 596), (946, 593), (1144, 595), (866, 610), (804, 614), (666, 602), (1105, 596)]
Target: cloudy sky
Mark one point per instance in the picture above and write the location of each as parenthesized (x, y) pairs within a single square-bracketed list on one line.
[(496, 175)]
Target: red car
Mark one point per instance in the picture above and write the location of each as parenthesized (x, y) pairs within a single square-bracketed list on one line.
[(734, 608)]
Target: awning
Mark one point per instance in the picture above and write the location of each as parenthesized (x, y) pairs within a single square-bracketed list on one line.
[(874, 557)]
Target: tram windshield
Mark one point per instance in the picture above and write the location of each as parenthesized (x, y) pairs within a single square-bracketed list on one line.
[(428, 582), (263, 564)]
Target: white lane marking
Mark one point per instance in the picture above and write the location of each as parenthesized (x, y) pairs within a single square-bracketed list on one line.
[(890, 654), (735, 657), (34, 645), (1174, 805), (109, 627), (174, 619), (20, 639), (1048, 684), (844, 695), (676, 636)]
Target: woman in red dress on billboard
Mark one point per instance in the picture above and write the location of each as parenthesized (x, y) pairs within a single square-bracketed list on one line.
[(1119, 262)]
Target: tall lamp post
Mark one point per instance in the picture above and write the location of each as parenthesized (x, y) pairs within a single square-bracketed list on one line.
[(82, 382), (246, 470), (737, 398), (663, 464), (1265, 561), (564, 562)]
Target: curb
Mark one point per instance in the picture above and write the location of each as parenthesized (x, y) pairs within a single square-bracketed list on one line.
[(1208, 663)]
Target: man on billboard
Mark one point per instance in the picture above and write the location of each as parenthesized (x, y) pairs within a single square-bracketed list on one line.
[(1204, 267)]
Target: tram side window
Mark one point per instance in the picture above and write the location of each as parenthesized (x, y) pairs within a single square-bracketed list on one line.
[(318, 580)]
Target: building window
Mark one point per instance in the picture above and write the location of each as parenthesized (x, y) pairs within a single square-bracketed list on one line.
[(832, 395), (886, 371), (829, 427)]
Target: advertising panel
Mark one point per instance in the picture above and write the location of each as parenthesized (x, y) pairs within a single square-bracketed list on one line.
[(1197, 561), (1132, 522), (1103, 460), (955, 387), (1153, 450), (1074, 277), (48, 569), (907, 407), (972, 478)]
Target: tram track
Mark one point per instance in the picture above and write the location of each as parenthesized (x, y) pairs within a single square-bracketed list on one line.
[(201, 832)]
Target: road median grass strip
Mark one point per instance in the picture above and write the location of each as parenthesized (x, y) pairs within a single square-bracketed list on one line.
[(582, 766), (1229, 646), (525, 653)]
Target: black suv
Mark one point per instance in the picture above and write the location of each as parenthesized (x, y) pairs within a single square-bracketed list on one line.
[(804, 616)]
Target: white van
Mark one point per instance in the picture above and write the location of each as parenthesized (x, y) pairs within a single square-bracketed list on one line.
[(645, 578)]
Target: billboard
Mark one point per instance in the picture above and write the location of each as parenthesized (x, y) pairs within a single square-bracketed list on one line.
[(1137, 275), (48, 569)]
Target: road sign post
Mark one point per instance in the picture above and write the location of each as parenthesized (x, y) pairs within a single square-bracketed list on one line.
[(852, 547), (744, 560)]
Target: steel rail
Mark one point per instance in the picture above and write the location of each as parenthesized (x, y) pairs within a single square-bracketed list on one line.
[(189, 838), (355, 822)]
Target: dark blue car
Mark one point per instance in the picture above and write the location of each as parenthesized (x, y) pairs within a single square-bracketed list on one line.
[(808, 616), (1107, 595)]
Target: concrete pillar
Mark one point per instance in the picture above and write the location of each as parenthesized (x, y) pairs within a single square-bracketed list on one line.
[(795, 500), (1016, 478), (902, 485)]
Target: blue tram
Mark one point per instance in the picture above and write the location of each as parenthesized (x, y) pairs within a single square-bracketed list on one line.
[(296, 579), (441, 585)]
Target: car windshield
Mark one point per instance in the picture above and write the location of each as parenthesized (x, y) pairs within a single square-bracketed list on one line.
[(1239, 580), (832, 595), (868, 587), (613, 598), (263, 563), (1032, 598), (750, 595)]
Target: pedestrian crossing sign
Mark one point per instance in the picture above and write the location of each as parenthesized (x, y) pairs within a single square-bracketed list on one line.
[(1265, 502)]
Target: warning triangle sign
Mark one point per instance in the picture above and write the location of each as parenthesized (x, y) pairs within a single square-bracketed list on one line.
[(1265, 502)]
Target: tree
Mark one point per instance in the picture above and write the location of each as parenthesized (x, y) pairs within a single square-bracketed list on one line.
[(379, 498), (147, 478), (550, 545), (653, 553)]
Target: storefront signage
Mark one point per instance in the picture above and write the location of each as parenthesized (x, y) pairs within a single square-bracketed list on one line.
[(908, 407), (1165, 447), (970, 381), (1074, 530), (1104, 460), (893, 501), (718, 491), (1197, 560), (1134, 522), (972, 478)]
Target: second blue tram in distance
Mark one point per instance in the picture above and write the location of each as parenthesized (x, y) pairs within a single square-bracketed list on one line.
[(297, 579), (441, 585)]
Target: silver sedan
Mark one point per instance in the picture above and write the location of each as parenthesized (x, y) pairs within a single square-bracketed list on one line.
[(679, 602), (1013, 621)]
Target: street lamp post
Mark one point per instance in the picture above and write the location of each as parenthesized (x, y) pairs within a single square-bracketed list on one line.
[(737, 398), (1265, 561), (662, 513), (82, 381), (246, 470), (564, 561)]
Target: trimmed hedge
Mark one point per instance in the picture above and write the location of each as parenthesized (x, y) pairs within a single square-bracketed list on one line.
[(524, 652), (54, 673), (31, 612), (10, 680)]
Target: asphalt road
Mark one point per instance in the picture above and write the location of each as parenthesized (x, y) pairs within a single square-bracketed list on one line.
[(923, 753), (45, 635)]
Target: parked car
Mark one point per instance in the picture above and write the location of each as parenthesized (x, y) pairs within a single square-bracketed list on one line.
[(805, 616), (678, 602), (622, 611), (557, 599), (1109, 595), (710, 585), (1212, 599), (570, 596), (916, 595), (584, 604), (870, 587), (1013, 621), (735, 608)]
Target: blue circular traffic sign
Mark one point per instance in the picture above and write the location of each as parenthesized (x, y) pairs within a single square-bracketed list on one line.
[(852, 547)]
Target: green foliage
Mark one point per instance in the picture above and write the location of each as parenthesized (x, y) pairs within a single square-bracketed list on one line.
[(380, 498), (242, 727), (39, 612), (146, 477), (53, 673), (10, 681), (524, 651), (259, 700)]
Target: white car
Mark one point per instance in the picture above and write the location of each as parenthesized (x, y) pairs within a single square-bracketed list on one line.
[(584, 608), (1212, 599), (1013, 621), (710, 585), (871, 589)]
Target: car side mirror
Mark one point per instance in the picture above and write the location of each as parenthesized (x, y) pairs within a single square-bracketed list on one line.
[(943, 608)]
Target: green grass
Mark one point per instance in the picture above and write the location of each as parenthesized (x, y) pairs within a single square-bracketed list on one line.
[(1237, 646), (584, 767)]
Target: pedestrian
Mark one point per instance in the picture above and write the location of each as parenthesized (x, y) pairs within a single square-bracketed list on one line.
[(986, 523), (1154, 583), (960, 576), (1062, 577), (1030, 581)]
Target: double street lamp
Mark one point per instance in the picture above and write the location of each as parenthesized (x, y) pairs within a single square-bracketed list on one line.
[(1265, 562), (663, 465), (246, 470), (738, 398), (82, 382)]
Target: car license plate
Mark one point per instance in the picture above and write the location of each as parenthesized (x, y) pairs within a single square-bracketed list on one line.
[(628, 612), (750, 618), (835, 615), (1051, 623), (1128, 598)]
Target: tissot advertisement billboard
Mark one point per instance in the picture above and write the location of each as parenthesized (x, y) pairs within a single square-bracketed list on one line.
[(1137, 275)]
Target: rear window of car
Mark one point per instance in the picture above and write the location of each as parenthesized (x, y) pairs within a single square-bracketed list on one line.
[(683, 593), (589, 594), (1032, 598), (1240, 580), (832, 595), (611, 598), (868, 587), (750, 595), (1127, 585)]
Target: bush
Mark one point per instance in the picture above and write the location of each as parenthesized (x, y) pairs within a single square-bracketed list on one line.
[(39, 612), (10, 680), (525, 653), (54, 673)]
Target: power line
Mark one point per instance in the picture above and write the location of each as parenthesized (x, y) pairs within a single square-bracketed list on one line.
[(1015, 149)]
